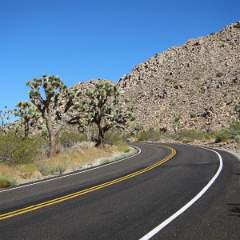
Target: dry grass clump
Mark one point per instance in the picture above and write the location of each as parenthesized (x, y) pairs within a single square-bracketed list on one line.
[(20, 173), (28, 171), (122, 147), (74, 159), (7, 174)]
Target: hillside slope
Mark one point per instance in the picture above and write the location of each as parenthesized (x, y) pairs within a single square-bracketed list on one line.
[(196, 85)]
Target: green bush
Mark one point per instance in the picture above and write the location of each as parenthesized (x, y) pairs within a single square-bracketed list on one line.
[(235, 129), (237, 138), (51, 169), (114, 138), (223, 135), (150, 134), (15, 150), (69, 139), (6, 182), (189, 135), (233, 132), (123, 147)]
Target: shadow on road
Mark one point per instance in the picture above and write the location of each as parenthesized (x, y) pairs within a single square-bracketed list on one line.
[(234, 209)]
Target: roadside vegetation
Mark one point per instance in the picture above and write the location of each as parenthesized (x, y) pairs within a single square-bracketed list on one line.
[(80, 156), (60, 130), (230, 134), (24, 160)]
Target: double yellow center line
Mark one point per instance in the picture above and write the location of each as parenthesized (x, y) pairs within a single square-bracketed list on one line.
[(54, 201)]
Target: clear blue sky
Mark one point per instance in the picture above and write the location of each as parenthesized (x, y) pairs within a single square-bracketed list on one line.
[(80, 40)]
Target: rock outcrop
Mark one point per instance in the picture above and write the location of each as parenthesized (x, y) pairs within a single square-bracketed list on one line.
[(196, 85)]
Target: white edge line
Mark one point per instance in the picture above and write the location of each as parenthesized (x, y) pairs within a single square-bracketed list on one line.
[(72, 174), (189, 204)]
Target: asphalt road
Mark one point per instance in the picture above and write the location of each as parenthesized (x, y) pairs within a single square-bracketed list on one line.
[(133, 207)]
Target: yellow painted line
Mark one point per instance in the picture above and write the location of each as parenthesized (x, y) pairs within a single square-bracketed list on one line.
[(54, 201)]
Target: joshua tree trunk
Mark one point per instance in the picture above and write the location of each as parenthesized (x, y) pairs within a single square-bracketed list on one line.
[(26, 130), (53, 144), (53, 135), (88, 133), (100, 138)]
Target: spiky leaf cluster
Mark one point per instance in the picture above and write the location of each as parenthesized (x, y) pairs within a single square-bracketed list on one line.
[(27, 112), (51, 97), (104, 108)]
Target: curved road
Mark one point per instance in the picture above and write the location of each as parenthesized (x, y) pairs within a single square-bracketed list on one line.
[(194, 195)]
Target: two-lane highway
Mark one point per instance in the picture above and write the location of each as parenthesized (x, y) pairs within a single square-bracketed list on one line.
[(155, 195)]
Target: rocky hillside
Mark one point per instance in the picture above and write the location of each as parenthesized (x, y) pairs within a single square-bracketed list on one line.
[(196, 85)]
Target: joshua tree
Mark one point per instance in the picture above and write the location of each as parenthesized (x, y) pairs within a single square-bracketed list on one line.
[(55, 102), (5, 117), (104, 109), (28, 114)]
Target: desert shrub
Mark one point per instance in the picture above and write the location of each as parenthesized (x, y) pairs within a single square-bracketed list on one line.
[(150, 134), (237, 138), (189, 135), (6, 182), (84, 145), (51, 168), (233, 132), (235, 129), (69, 139), (223, 135), (185, 135), (27, 171), (123, 148), (56, 165), (15, 150), (115, 138)]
